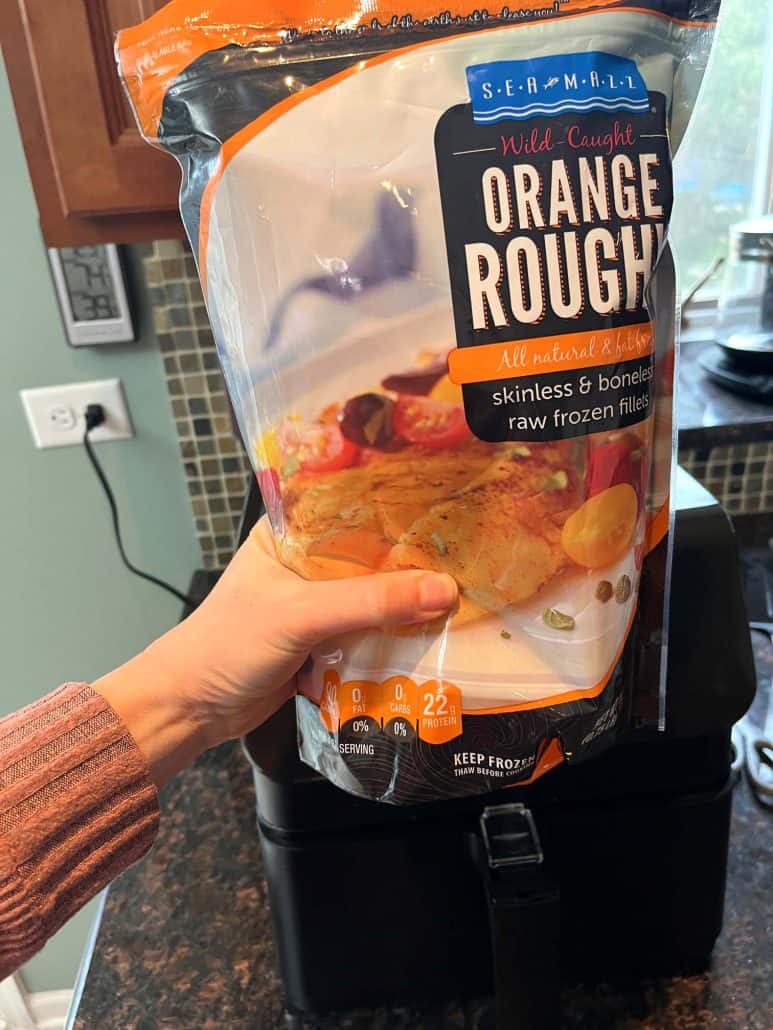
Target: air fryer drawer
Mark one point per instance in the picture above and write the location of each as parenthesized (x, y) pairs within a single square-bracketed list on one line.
[(397, 915)]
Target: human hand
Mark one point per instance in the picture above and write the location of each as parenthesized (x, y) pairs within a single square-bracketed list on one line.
[(233, 662)]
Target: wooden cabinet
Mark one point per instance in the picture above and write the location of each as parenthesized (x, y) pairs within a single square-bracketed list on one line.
[(94, 177)]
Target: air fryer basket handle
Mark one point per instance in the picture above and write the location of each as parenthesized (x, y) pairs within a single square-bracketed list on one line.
[(524, 916)]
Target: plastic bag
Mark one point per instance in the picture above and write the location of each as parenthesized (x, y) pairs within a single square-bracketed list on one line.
[(434, 254)]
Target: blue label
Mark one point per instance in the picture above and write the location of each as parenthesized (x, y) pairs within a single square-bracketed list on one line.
[(554, 85)]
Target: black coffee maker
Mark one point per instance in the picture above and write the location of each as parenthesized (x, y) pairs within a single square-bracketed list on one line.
[(614, 864)]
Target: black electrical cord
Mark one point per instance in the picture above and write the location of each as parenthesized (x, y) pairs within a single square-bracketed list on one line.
[(95, 416)]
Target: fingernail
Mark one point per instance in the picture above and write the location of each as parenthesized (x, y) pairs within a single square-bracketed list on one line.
[(437, 592)]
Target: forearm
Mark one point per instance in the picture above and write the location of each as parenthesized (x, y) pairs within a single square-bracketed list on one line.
[(76, 808), (148, 694)]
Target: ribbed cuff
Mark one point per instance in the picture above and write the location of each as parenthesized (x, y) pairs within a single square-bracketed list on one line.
[(76, 808)]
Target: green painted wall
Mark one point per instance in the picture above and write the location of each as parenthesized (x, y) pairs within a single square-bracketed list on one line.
[(68, 609)]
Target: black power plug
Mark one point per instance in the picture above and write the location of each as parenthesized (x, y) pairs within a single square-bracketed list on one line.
[(95, 416)]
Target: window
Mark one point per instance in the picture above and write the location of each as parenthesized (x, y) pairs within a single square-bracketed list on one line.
[(724, 170)]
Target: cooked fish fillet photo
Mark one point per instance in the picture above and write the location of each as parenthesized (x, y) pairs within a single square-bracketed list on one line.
[(394, 479)]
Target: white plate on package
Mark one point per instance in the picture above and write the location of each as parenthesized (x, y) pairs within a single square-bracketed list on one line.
[(508, 658), (500, 660)]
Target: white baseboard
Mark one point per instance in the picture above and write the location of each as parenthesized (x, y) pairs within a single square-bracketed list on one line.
[(21, 1009), (49, 1008)]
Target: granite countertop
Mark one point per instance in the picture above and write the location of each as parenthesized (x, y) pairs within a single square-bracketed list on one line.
[(708, 414), (184, 941)]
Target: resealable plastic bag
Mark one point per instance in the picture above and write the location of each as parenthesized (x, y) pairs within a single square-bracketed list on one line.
[(434, 253)]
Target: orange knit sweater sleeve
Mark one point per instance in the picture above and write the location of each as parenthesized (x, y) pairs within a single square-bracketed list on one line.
[(76, 808)]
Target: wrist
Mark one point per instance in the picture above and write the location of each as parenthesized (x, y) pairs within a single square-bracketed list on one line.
[(146, 694)]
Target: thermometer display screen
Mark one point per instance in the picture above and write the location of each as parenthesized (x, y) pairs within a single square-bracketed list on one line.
[(90, 287)]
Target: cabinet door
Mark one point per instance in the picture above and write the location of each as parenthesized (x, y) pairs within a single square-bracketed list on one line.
[(97, 176)]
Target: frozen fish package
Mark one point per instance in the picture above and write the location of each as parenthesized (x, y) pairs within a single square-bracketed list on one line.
[(434, 249)]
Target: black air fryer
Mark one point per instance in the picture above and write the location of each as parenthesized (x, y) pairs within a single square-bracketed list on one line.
[(614, 864)]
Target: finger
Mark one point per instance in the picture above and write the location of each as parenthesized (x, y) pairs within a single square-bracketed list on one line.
[(383, 599)]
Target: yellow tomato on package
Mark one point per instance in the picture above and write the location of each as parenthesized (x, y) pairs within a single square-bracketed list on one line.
[(267, 450), (601, 530), (445, 390)]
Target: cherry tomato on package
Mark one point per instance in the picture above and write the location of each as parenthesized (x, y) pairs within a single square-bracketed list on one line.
[(270, 489), (318, 448), (618, 461), (667, 368), (430, 423)]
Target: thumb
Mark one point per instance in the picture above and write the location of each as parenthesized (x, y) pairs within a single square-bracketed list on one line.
[(383, 599)]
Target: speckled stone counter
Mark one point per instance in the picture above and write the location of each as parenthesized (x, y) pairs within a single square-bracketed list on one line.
[(184, 940)]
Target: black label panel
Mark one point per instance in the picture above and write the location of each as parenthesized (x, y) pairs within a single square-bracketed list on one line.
[(553, 225), (561, 405)]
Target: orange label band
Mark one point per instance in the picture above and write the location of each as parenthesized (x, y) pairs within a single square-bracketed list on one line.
[(440, 712), (400, 700), (434, 710), (562, 353), (552, 756)]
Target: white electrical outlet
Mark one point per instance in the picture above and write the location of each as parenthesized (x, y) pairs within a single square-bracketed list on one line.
[(56, 413)]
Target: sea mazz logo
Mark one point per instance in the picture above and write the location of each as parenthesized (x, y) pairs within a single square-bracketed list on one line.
[(554, 85)]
